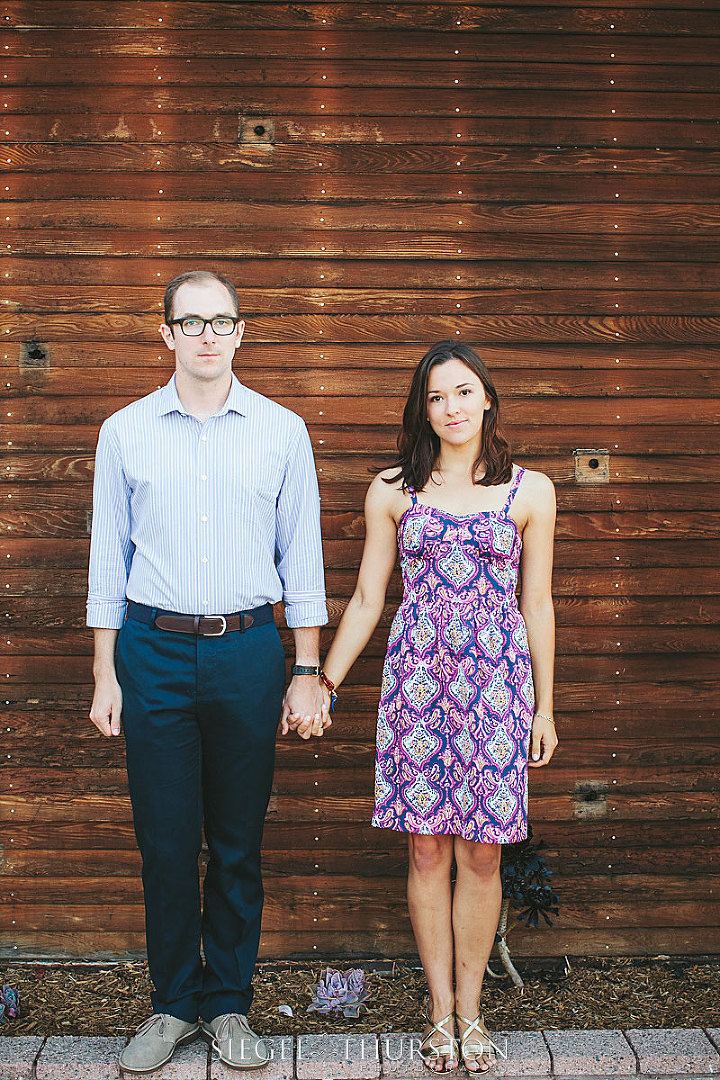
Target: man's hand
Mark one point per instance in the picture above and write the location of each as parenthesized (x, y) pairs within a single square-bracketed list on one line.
[(304, 708), (106, 708), (107, 701)]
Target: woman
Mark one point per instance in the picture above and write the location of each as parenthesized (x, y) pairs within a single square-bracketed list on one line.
[(468, 677)]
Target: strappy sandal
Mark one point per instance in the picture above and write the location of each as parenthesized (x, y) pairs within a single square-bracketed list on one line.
[(430, 1052), (475, 1042)]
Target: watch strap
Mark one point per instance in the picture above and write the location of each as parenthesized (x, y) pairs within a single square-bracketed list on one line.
[(306, 669)]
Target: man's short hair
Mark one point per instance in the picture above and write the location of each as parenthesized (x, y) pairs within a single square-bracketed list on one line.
[(200, 277)]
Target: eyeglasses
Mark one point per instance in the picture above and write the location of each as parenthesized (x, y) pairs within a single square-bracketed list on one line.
[(193, 326)]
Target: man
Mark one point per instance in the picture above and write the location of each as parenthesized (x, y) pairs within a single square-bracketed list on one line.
[(206, 512)]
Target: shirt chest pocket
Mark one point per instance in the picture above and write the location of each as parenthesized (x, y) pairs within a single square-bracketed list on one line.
[(256, 483)]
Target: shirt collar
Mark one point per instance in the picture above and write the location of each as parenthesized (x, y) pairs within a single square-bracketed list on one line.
[(236, 401)]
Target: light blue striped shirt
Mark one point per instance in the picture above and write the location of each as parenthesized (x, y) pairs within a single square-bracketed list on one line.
[(205, 518)]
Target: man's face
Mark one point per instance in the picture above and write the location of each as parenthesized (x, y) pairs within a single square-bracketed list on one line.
[(207, 358)]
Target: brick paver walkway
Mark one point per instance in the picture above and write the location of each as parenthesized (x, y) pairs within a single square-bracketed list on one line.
[(662, 1053)]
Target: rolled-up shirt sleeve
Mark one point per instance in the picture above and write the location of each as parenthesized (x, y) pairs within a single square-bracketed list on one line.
[(298, 543), (111, 547)]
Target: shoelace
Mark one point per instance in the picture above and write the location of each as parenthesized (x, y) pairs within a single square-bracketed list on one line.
[(156, 1019), (224, 1030)]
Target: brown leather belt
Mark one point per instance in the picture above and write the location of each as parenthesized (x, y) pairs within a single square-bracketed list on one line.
[(199, 625)]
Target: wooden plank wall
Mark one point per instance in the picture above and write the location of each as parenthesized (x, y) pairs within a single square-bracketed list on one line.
[(540, 180)]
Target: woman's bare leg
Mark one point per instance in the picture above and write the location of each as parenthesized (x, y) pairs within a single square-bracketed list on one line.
[(475, 913), (430, 904)]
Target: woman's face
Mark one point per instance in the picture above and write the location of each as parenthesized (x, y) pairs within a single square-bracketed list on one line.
[(456, 402)]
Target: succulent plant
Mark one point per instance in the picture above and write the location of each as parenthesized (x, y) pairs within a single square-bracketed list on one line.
[(526, 881), (341, 991), (9, 1003)]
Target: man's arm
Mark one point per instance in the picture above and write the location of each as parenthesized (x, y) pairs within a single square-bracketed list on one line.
[(111, 552), (111, 548), (298, 545), (106, 706), (300, 568)]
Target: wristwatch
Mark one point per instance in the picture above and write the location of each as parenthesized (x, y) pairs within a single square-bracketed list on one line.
[(305, 669)]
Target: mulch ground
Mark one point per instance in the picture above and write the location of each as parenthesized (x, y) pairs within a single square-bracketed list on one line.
[(112, 999)]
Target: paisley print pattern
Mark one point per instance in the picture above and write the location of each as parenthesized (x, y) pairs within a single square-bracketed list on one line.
[(457, 694)]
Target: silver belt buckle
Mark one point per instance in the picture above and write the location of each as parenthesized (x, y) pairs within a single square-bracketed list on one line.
[(220, 632)]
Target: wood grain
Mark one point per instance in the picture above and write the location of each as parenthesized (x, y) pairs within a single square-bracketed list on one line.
[(382, 42), (523, 186), (656, 20), (340, 160), (323, 72)]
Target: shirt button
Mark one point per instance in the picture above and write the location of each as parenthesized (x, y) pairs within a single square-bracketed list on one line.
[(205, 558), (204, 517), (203, 477), (204, 438), (205, 603)]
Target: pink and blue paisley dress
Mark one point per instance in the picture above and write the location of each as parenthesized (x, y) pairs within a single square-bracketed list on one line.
[(457, 697)]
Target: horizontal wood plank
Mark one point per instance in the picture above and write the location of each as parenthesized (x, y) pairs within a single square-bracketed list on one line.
[(346, 382), (397, 101), (396, 943), (355, 160), (570, 697), (632, 888), (654, 641), (342, 465), (670, 806), (587, 832), (396, 188), (328, 329), (377, 441), (408, 16), (470, 301), (594, 219), (388, 410), (566, 583), (329, 71), (627, 865), (370, 244), (382, 42), (630, 525), (264, 359)]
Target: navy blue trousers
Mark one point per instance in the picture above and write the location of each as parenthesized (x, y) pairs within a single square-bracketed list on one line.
[(200, 717)]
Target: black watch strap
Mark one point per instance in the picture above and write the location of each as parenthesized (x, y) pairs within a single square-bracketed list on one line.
[(305, 669)]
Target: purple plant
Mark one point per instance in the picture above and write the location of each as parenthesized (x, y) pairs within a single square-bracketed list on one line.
[(341, 991), (9, 1003)]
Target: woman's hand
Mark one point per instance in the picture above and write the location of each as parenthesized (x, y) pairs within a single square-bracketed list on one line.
[(326, 717), (543, 740), (303, 708)]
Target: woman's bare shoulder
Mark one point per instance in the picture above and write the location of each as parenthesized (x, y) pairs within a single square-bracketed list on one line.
[(536, 496), (537, 484), (386, 493)]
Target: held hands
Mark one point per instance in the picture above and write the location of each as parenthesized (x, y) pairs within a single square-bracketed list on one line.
[(305, 709), (106, 708), (543, 740)]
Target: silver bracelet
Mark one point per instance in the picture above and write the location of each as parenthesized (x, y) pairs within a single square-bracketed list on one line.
[(544, 716)]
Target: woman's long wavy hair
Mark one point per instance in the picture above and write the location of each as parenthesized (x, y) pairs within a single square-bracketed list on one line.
[(419, 446)]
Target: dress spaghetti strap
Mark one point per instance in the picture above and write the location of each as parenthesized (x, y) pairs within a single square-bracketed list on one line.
[(513, 489), (413, 496)]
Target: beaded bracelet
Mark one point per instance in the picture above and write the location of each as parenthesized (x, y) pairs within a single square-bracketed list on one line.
[(330, 685), (544, 716)]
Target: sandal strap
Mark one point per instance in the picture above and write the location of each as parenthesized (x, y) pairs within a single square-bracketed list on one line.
[(475, 1027), (447, 1049)]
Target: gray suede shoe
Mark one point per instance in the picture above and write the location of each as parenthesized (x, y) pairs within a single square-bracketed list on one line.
[(235, 1043), (154, 1042)]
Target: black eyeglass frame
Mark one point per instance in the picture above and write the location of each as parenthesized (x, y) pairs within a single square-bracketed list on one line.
[(226, 318)]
